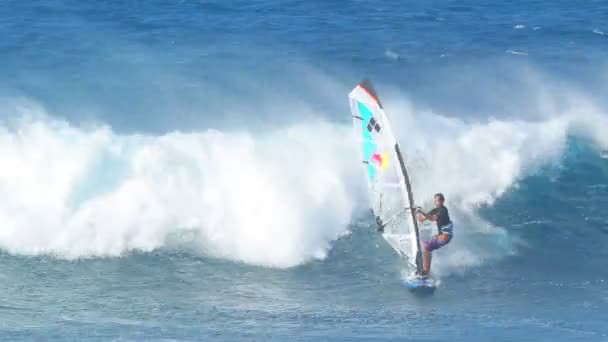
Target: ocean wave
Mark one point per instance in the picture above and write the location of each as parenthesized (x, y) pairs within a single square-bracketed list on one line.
[(275, 198)]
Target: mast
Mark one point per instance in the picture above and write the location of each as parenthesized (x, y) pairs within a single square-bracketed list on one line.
[(411, 207)]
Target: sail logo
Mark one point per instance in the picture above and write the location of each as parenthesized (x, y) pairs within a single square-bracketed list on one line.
[(380, 160), (373, 125)]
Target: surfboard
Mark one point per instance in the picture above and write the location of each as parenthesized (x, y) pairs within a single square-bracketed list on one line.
[(390, 190), (420, 285)]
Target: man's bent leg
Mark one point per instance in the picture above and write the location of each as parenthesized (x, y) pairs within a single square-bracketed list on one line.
[(436, 242)]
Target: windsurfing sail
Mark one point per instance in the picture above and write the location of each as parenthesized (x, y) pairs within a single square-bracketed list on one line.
[(389, 186)]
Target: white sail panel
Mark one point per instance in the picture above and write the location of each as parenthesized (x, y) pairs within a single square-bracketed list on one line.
[(385, 173)]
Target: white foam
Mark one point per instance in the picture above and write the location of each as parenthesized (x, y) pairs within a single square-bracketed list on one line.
[(391, 54), (276, 199), (476, 163), (517, 52)]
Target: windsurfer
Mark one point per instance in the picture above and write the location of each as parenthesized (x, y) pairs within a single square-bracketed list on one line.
[(445, 228)]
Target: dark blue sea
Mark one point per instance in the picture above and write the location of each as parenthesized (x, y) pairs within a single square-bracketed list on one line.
[(187, 170)]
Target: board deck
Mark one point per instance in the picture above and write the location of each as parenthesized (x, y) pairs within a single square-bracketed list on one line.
[(420, 285)]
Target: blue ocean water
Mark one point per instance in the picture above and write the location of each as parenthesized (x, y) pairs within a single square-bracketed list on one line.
[(185, 170)]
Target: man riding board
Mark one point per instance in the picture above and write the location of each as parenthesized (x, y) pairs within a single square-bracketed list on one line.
[(445, 228)]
